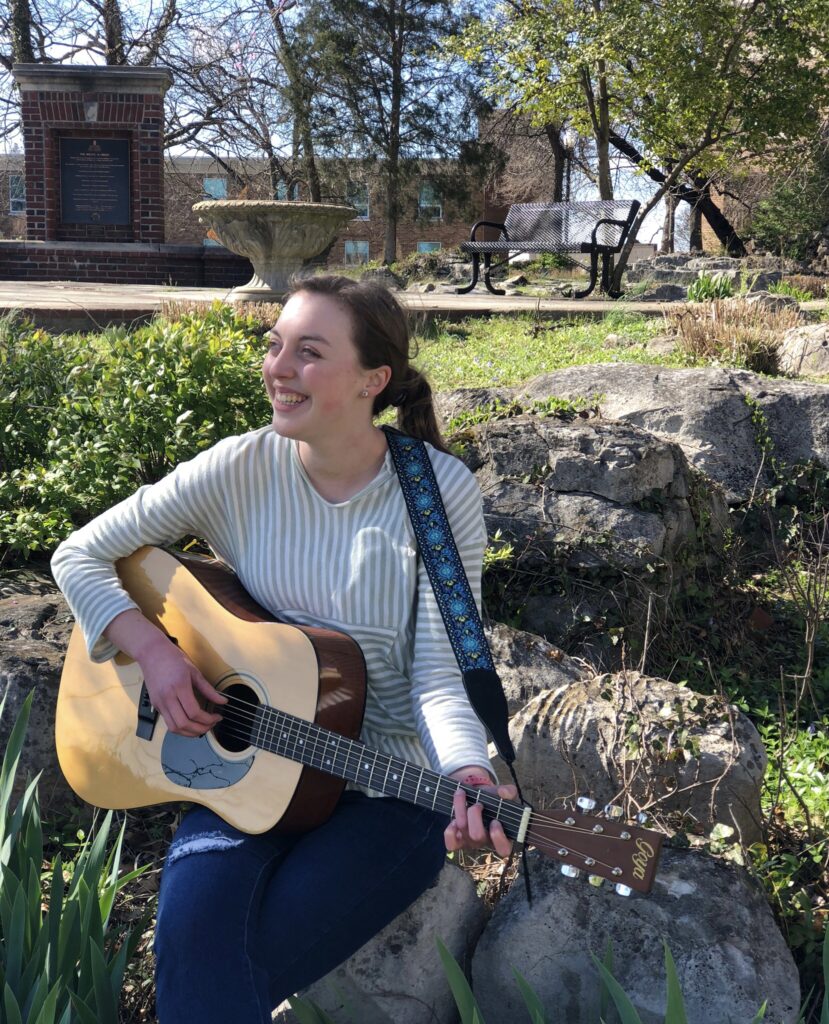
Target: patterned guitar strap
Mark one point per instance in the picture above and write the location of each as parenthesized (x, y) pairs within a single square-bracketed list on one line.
[(454, 596)]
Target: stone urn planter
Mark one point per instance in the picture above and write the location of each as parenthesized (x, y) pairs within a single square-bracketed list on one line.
[(276, 236)]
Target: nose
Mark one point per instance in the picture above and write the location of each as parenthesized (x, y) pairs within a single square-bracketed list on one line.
[(279, 363)]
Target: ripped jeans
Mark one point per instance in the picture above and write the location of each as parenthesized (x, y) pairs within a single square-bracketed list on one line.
[(244, 921)]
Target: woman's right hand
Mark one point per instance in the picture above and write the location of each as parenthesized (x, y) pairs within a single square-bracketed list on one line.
[(173, 681)]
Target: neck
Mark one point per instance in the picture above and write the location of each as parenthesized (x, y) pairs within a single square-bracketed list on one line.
[(343, 467)]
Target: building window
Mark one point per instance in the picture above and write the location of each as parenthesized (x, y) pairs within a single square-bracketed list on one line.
[(283, 192), (216, 188), (428, 246), (356, 251), (17, 194), (429, 203), (356, 195)]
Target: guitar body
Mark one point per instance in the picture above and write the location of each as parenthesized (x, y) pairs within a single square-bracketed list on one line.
[(114, 749)]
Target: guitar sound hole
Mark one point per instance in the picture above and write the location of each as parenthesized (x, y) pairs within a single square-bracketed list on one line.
[(233, 732)]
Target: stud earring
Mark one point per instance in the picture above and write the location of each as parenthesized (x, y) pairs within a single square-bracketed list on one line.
[(364, 393)]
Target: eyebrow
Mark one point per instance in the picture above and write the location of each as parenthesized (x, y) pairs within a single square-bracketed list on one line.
[(273, 332)]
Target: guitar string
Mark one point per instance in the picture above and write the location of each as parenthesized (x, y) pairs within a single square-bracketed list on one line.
[(515, 813), (511, 815), (532, 835)]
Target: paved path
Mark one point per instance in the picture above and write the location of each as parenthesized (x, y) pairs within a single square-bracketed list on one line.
[(73, 305)]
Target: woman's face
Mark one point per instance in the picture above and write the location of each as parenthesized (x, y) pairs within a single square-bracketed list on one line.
[(312, 371)]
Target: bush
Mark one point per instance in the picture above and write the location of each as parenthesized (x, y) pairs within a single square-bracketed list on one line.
[(86, 419), (787, 288), (59, 959), (796, 208)]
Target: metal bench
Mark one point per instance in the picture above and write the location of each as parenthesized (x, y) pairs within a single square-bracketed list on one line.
[(596, 228)]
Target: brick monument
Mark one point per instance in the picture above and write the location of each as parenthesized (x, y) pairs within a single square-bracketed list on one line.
[(94, 170)]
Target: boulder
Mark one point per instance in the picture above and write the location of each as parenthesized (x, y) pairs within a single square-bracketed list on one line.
[(705, 412), (528, 664), (664, 293), (805, 350), (729, 954), (659, 746), (767, 300), (600, 493), (397, 977), (34, 634)]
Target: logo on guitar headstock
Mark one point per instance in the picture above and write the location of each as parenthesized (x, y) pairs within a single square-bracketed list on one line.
[(640, 860)]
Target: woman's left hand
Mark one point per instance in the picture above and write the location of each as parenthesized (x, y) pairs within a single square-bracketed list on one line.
[(466, 830)]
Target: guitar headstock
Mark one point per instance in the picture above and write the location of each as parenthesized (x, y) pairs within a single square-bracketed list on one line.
[(605, 846)]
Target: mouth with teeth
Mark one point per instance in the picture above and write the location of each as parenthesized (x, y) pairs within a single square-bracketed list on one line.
[(289, 398)]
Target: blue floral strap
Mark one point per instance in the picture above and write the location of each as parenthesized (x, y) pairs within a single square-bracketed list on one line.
[(451, 586)]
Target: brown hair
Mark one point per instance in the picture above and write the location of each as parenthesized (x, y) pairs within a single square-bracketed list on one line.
[(380, 333)]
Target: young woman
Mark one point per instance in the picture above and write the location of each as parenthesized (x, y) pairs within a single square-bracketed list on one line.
[(309, 513)]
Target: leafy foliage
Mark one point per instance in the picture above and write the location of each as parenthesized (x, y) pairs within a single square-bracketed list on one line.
[(60, 963), (710, 286), (85, 420)]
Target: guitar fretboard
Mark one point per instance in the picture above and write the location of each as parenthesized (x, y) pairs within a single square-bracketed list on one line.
[(310, 744)]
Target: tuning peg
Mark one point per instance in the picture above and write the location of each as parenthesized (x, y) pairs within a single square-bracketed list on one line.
[(570, 870), (596, 880), (622, 889), (642, 818), (586, 803), (613, 812)]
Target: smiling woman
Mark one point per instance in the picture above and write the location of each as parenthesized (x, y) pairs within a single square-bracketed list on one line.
[(309, 512)]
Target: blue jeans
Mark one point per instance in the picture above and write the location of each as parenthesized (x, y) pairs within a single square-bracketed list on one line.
[(244, 921)]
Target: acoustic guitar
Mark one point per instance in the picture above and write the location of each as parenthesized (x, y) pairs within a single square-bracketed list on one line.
[(288, 739)]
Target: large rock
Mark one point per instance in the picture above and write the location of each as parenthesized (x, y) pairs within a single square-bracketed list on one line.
[(397, 977), (705, 411), (729, 955), (528, 664), (603, 493), (34, 633), (662, 746), (805, 350)]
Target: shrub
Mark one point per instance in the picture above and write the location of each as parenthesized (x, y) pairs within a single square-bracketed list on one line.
[(60, 962), (85, 420), (733, 333)]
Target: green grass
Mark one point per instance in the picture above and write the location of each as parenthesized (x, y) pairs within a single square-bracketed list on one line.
[(507, 351)]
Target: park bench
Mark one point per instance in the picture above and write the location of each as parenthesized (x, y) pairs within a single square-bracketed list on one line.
[(597, 228)]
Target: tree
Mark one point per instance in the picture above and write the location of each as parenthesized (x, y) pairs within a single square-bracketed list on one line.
[(682, 88), (384, 88)]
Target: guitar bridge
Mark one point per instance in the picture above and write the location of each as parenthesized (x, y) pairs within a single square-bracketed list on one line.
[(147, 715)]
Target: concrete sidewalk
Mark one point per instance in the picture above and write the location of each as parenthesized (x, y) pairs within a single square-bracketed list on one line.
[(74, 305), (84, 306)]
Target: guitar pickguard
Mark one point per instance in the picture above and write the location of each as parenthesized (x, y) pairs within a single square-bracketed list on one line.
[(193, 763)]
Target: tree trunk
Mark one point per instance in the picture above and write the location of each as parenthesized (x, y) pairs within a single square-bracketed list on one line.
[(114, 33), (21, 32), (697, 197), (695, 236), (668, 243), (560, 158), (603, 138)]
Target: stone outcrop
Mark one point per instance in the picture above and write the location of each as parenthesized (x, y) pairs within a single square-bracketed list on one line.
[(607, 493), (34, 633), (528, 664), (397, 977), (659, 745), (679, 270), (705, 412), (729, 955)]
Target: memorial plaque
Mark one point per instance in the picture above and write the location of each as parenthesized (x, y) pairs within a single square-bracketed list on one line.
[(95, 181)]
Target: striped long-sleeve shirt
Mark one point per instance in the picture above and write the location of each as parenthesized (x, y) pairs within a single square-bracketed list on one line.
[(350, 566)]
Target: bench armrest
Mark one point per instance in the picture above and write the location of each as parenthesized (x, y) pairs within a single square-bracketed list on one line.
[(487, 224), (607, 220)]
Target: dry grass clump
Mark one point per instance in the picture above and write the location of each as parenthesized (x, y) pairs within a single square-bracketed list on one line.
[(264, 313), (733, 332)]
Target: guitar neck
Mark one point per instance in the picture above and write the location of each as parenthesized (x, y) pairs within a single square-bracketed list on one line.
[(311, 745)]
